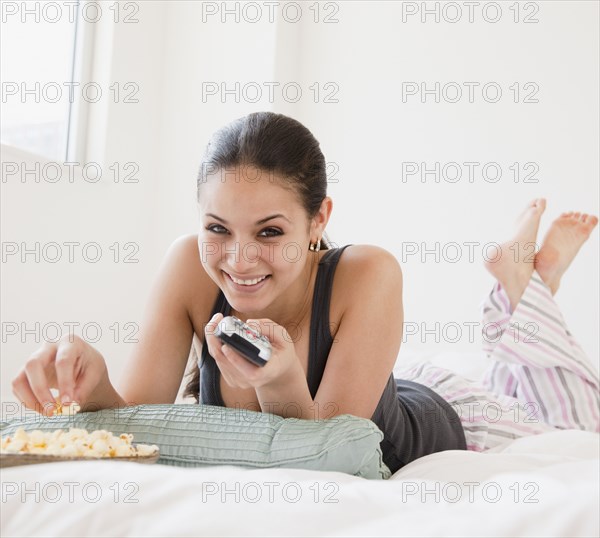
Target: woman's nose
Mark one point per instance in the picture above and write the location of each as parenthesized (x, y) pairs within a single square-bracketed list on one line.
[(242, 257)]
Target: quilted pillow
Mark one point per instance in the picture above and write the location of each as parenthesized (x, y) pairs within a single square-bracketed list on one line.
[(191, 435)]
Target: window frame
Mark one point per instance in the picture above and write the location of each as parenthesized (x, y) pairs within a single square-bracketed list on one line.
[(81, 72)]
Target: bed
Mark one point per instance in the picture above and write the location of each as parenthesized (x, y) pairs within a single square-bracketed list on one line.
[(545, 485)]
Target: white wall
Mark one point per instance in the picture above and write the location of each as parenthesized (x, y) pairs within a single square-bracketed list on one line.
[(107, 294), (371, 132), (368, 134)]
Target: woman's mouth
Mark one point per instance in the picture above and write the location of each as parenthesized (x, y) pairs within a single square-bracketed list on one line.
[(247, 284)]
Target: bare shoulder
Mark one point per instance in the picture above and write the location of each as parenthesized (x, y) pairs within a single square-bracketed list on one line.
[(367, 263), (185, 255), (364, 272), (190, 281), (180, 292), (185, 249), (369, 291)]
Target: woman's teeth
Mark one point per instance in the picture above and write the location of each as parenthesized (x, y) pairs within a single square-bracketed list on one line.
[(248, 282)]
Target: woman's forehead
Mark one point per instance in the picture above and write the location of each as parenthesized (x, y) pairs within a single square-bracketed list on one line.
[(236, 190), (250, 208)]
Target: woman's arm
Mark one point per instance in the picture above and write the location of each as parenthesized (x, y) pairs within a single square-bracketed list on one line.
[(155, 370), (368, 339), (157, 364), (365, 345)]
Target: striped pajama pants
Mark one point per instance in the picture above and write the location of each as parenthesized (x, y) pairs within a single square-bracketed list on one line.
[(540, 379)]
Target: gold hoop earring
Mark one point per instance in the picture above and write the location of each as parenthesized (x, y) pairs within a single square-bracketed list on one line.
[(315, 247)]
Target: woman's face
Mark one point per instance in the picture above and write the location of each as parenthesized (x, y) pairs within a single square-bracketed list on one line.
[(254, 231)]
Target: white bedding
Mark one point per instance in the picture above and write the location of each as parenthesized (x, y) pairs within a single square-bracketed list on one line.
[(545, 485), (538, 486)]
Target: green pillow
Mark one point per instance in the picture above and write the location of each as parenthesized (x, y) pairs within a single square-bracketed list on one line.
[(191, 435)]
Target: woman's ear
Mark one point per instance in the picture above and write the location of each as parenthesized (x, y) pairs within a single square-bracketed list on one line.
[(322, 217)]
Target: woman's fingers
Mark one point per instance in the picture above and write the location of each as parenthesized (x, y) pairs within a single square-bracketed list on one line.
[(231, 373), (213, 342), (95, 368), (228, 379), (226, 368), (275, 333), (71, 365), (242, 370), (23, 392), (36, 369), (67, 364), (233, 367), (79, 369), (222, 361)]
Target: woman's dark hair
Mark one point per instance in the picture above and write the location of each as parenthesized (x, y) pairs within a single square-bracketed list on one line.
[(275, 144)]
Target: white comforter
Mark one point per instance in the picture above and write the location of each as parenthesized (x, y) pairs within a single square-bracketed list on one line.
[(546, 485), (538, 486)]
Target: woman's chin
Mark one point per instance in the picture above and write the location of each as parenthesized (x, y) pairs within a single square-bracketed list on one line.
[(246, 302)]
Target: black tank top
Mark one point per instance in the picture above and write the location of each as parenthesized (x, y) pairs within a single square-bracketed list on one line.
[(414, 419)]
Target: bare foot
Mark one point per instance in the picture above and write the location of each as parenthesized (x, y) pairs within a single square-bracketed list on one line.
[(562, 242), (513, 263)]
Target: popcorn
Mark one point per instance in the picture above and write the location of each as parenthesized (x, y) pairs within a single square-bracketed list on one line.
[(62, 409), (77, 442), (70, 409)]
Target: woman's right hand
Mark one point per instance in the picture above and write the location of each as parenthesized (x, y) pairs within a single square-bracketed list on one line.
[(70, 365)]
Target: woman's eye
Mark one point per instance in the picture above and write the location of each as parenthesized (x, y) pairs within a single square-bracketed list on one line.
[(213, 228), (272, 232), (267, 232)]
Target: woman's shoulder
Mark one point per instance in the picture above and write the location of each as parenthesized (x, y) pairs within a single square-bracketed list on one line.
[(366, 269), (369, 258), (185, 254), (190, 280)]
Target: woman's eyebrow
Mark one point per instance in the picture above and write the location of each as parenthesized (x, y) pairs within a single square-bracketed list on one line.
[(261, 221)]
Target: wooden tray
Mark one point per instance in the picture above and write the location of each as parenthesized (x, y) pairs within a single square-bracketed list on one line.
[(11, 460)]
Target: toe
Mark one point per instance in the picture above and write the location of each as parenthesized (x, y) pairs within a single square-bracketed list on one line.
[(576, 216), (584, 217)]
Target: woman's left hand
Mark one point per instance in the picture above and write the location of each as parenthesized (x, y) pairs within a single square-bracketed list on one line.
[(240, 372)]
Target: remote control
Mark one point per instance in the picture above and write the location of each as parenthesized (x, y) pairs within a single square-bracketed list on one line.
[(244, 339)]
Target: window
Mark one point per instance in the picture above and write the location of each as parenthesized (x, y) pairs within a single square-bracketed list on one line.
[(40, 63)]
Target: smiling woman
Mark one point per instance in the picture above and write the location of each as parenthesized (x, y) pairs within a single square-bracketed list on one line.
[(333, 317), (245, 247), (263, 208)]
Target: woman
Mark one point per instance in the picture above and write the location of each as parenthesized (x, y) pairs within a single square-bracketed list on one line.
[(333, 315)]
